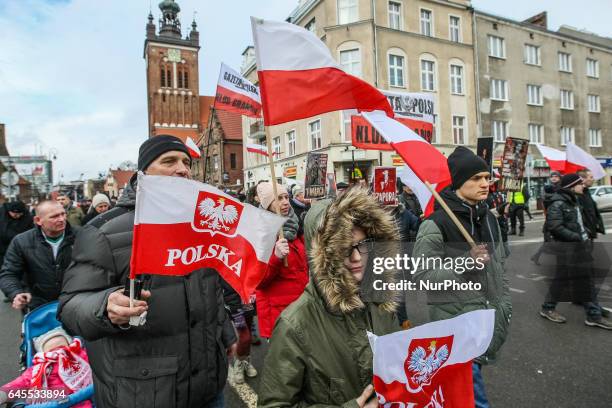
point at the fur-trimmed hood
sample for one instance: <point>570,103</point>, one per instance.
<point>332,241</point>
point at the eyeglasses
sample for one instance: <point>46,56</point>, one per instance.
<point>363,247</point>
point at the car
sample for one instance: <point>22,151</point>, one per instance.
<point>602,196</point>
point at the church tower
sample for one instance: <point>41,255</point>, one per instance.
<point>172,75</point>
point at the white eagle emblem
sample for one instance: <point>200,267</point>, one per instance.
<point>216,215</point>
<point>423,366</point>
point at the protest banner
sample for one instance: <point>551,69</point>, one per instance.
<point>484,149</point>
<point>513,163</point>
<point>384,188</point>
<point>237,94</point>
<point>316,169</point>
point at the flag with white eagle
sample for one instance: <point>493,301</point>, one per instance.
<point>183,225</point>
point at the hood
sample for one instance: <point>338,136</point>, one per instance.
<point>128,197</point>
<point>460,207</point>
<point>333,239</point>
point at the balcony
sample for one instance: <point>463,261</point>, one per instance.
<point>257,130</point>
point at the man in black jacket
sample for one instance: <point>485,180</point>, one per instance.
<point>178,358</point>
<point>565,222</point>
<point>38,257</point>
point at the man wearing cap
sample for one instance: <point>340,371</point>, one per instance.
<point>565,221</point>
<point>178,357</point>
<point>440,238</point>
<point>14,219</point>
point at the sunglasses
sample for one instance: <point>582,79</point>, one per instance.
<point>364,247</point>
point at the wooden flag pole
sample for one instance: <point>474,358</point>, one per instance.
<point>452,215</point>
<point>273,175</point>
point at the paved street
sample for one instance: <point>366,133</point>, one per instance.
<point>542,364</point>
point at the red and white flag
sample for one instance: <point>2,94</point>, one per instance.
<point>556,159</point>
<point>431,365</point>
<point>182,225</point>
<point>194,150</point>
<point>237,94</point>
<point>578,159</point>
<point>425,161</point>
<point>259,149</point>
<point>299,78</point>
<point>425,197</point>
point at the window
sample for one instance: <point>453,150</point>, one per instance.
<point>346,123</point>
<point>456,77</point>
<point>434,136</point>
<point>499,129</point>
<point>567,99</point>
<point>350,60</point>
<point>532,54</point>
<point>535,133</point>
<point>534,95</point>
<point>347,11</point>
<point>163,77</point>
<point>426,23</point>
<point>565,62</point>
<point>185,79</point>
<point>314,130</point>
<point>497,47</point>
<point>593,103</point>
<point>180,78</point>
<point>395,15</point>
<point>291,143</point>
<point>567,135</point>
<point>592,68</point>
<point>396,70</point>
<point>458,130</point>
<point>427,75</point>
<point>311,26</point>
<point>499,89</point>
<point>216,162</point>
<point>232,161</point>
<point>454,28</point>
<point>595,138</point>
<point>276,146</point>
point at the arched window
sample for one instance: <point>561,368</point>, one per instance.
<point>457,76</point>
<point>186,79</point>
<point>180,78</point>
<point>397,64</point>
<point>349,54</point>
<point>428,72</point>
<point>163,77</point>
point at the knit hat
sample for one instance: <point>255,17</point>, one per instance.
<point>463,164</point>
<point>39,342</point>
<point>296,190</point>
<point>99,199</point>
<point>155,146</point>
<point>570,180</point>
<point>265,193</point>
<point>555,173</point>
<point>16,206</point>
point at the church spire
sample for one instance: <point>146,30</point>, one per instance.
<point>169,23</point>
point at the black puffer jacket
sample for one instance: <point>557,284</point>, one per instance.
<point>562,220</point>
<point>10,227</point>
<point>178,358</point>
<point>29,259</point>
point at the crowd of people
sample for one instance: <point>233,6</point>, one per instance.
<point>310,304</point>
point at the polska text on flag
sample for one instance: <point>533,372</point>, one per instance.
<point>237,94</point>
<point>299,78</point>
<point>183,225</point>
<point>431,365</point>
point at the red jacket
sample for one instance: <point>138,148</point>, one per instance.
<point>281,285</point>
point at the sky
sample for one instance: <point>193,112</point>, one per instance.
<point>72,76</point>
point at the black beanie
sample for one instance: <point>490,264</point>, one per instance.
<point>16,206</point>
<point>570,180</point>
<point>463,164</point>
<point>155,146</point>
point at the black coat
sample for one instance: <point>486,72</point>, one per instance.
<point>592,217</point>
<point>178,358</point>
<point>10,227</point>
<point>562,220</point>
<point>29,259</point>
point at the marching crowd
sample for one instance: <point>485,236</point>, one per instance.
<point>310,305</point>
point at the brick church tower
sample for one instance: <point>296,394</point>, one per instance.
<point>172,75</point>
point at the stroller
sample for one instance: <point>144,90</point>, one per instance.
<point>39,321</point>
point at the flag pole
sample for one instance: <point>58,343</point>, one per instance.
<point>452,215</point>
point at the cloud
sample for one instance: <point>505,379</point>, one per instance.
<point>72,76</point>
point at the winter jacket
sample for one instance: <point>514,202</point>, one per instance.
<point>411,201</point>
<point>592,217</point>
<point>75,216</point>
<point>319,352</point>
<point>178,358</point>
<point>564,218</point>
<point>549,191</point>
<point>10,227</point>
<point>281,285</point>
<point>29,259</point>
<point>439,238</point>
<point>91,214</point>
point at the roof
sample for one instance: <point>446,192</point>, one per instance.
<point>231,123</point>
<point>122,177</point>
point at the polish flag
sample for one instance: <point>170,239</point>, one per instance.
<point>237,94</point>
<point>183,225</point>
<point>431,365</point>
<point>259,149</point>
<point>299,78</point>
<point>194,150</point>
<point>555,158</point>
<point>426,199</point>
<point>425,161</point>
<point>578,159</point>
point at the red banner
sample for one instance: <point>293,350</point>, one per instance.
<point>364,136</point>
<point>384,185</point>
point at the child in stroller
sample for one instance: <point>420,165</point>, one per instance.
<point>58,374</point>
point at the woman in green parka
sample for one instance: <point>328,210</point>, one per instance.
<point>319,354</point>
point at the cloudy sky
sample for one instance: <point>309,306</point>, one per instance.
<point>72,76</point>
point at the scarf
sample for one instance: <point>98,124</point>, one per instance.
<point>73,370</point>
<point>291,226</point>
